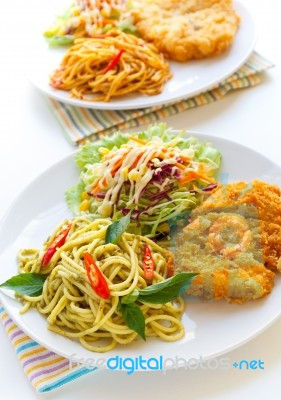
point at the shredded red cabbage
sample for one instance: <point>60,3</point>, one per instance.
<point>210,187</point>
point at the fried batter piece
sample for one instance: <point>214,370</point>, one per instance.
<point>222,245</point>
<point>235,286</point>
<point>267,199</point>
<point>186,30</point>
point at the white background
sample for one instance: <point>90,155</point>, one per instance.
<point>31,141</point>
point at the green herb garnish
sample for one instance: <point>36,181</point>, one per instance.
<point>159,293</point>
<point>131,297</point>
<point>166,291</point>
<point>30,284</point>
<point>116,229</point>
<point>134,318</point>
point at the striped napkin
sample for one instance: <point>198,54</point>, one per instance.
<point>45,370</point>
<point>80,124</point>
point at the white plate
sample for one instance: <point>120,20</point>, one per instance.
<point>189,78</point>
<point>211,328</point>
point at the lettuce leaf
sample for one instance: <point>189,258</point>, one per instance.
<point>89,153</point>
<point>127,26</point>
<point>73,197</point>
<point>210,155</point>
<point>159,130</point>
<point>203,151</point>
<point>58,40</point>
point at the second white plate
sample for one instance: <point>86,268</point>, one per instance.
<point>188,79</point>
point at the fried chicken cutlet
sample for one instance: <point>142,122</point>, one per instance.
<point>267,199</point>
<point>187,29</point>
<point>223,246</point>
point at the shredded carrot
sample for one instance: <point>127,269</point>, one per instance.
<point>180,166</point>
<point>187,178</point>
<point>97,188</point>
<point>185,158</point>
<point>135,163</point>
<point>106,22</point>
<point>118,163</point>
<point>79,34</point>
<point>206,178</point>
<point>193,175</point>
<point>136,139</point>
<point>116,166</point>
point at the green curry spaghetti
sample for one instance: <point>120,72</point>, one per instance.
<point>92,286</point>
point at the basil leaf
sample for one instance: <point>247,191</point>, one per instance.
<point>166,291</point>
<point>30,284</point>
<point>116,229</point>
<point>131,297</point>
<point>134,318</point>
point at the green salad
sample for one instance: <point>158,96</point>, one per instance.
<point>155,176</point>
<point>89,19</point>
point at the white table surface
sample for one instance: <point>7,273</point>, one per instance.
<point>31,141</point>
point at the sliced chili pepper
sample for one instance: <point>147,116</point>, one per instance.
<point>115,60</point>
<point>170,264</point>
<point>148,263</point>
<point>58,241</point>
<point>96,277</point>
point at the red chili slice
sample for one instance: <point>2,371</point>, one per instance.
<point>148,263</point>
<point>58,242</point>
<point>96,277</point>
<point>115,60</point>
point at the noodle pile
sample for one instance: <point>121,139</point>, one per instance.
<point>74,309</point>
<point>88,68</point>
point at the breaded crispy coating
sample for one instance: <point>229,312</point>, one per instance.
<point>267,199</point>
<point>223,246</point>
<point>189,29</point>
<point>234,286</point>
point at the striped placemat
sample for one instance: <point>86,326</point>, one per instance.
<point>45,370</point>
<point>80,124</point>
